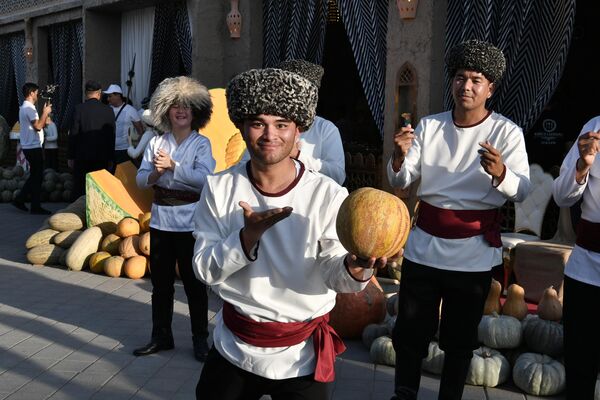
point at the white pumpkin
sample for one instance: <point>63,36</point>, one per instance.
<point>434,362</point>
<point>382,351</point>
<point>372,332</point>
<point>499,331</point>
<point>488,368</point>
<point>543,336</point>
<point>539,374</point>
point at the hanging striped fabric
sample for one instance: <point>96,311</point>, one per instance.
<point>535,38</point>
<point>293,29</point>
<point>366,26</point>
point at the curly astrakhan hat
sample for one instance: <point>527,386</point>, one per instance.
<point>184,91</point>
<point>308,70</point>
<point>272,91</point>
<point>476,55</point>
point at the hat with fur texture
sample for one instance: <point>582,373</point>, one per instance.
<point>184,91</point>
<point>272,91</point>
<point>479,56</point>
<point>308,70</point>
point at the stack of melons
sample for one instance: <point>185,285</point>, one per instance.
<point>56,186</point>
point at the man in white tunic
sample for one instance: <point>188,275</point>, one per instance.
<point>470,161</point>
<point>266,243</point>
<point>579,179</point>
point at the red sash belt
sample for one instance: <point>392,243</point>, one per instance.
<point>588,235</point>
<point>279,334</point>
<point>460,224</point>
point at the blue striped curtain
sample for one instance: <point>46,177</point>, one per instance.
<point>294,29</point>
<point>66,67</point>
<point>535,38</point>
<point>12,75</point>
<point>171,43</point>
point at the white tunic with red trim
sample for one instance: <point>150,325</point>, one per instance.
<point>446,159</point>
<point>297,272</point>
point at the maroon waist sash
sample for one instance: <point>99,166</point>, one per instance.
<point>588,235</point>
<point>460,224</point>
<point>173,197</point>
<point>280,334</point>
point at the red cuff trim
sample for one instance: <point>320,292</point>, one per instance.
<point>352,276</point>
<point>501,179</point>
<point>250,257</point>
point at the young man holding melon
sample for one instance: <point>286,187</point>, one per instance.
<point>470,161</point>
<point>266,242</point>
<point>579,179</point>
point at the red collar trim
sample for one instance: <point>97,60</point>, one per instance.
<point>475,124</point>
<point>278,194</point>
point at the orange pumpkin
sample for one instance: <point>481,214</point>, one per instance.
<point>354,311</point>
<point>130,247</point>
<point>127,227</point>
<point>372,223</point>
<point>113,266</point>
<point>135,267</point>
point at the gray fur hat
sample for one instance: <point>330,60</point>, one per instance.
<point>272,91</point>
<point>476,55</point>
<point>185,91</point>
<point>308,70</point>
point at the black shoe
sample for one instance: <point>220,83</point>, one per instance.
<point>153,347</point>
<point>40,211</point>
<point>20,205</point>
<point>200,348</point>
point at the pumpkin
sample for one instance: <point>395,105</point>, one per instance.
<point>111,244</point>
<point>113,266</point>
<point>84,246</point>
<point>392,304</point>
<point>542,336</point>
<point>43,236</point>
<point>128,227</point>
<point>539,374</point>
<point>434,362</point>
<point>135,267</point>
<point>353,311</point>
<point>515,305</point>
<point>66,239</point>
<point>96,261</point>
<point>499,331</point>
<point>372,332</point>
<point>144,221</point>
<point>144,243</point>
<point>129,247</point>
<point>44,254</point>
<point>492,303</point>
<point>66,221</point>
<point>372,223</point>
<point>488,368</point>
<point>382,351</point>
<point>550,307</point>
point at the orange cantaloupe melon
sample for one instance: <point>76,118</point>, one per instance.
<point>235,150</point>
<point>126,173</point>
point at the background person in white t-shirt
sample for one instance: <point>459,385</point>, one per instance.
<point>125,115</point>
<point>31,138</point>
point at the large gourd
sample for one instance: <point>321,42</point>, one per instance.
<point>372,223</point>
<point>492,303</point>
<point>539,375</point>
<point>550,307</point>
<point>84,246</point>
<point>43,236</point>
<point>44,254</point>
<point>66,221</point>
<point>515,304</point>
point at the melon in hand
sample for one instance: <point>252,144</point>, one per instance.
<point>373,223</point>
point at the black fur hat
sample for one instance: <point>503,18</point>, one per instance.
<point>479,56</point>
<point>272,91</point>
<point>310,71</point>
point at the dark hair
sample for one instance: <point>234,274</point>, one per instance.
<point>28,88</point>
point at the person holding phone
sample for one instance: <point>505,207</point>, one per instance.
<point>470,161</point>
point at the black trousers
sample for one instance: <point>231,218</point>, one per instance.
<point>463,296</point>
<point>166,249</point>
<point>221,380</point>
<point>582,356</point>
<point>33,185</point>
<point>51,158</point>
<point>80,169</point>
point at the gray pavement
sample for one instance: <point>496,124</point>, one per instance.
<point>69,335</point>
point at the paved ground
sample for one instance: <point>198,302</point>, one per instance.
<point>69,335</point>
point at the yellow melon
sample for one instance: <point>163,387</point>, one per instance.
<point>113,266</point>
<point>96,261</point>
<point>128,227</point>
<point>144,221</point>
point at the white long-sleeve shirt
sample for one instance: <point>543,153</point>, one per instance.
<point>447,160</point>
<point>135,152</point>
<point>321,150</point>
<point>297,272</point>
<point>193,162</point>
<point>583,265</point>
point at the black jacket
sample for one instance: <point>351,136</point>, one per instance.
<point>92,135</point>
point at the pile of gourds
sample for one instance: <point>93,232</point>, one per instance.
<point>512,340</point>
<point>56,186</point>
<point>112,248</point>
